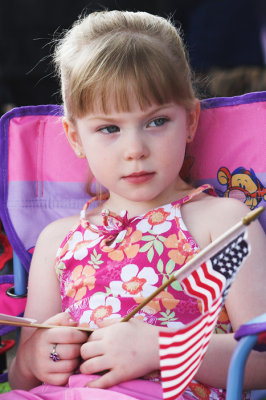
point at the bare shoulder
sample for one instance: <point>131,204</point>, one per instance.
<point>47,245</point>
<point>208,217</point>
<point>222,213</point>
<point>55,232</point>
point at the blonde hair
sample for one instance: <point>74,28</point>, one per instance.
<point>107,54</point>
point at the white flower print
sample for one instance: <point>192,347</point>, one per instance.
<point>78,245</point>
<point>135,283</point>
<point>144,227</point>
<point>157,221</point>
<point>101,307</point>
<point>172,210</point>
<point>175,325</point>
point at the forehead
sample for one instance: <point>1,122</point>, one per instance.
<point>127,99</point>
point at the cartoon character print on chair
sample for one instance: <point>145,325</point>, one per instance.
<point>243,185</point>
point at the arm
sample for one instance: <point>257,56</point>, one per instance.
<point>32,364</point>
<point>246,300</point>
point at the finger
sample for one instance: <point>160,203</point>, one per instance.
<point>57,379</point>
<point>63,319</point>
<point>65,335</point>
<point>95,365</point>
<point>66,351</point>
<point>63,366</point>
<point>101,333</point>
<point>105,381</point>
<point>91,349</point>
<point>107,322</point>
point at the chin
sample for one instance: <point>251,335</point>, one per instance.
<point>144,197</point>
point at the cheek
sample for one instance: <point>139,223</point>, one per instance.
<point>173,160</point>
<point>174,150</point>
<point>100,165</point>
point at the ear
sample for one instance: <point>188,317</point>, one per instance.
<point>192,121</point>
<point>73,137</point>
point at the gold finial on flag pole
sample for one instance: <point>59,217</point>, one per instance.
<point>251,216</point>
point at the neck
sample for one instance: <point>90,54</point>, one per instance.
<point>116,203</point>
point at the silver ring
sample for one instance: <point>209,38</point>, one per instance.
<point>53,355</point>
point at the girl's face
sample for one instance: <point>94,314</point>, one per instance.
<point>136,155</point>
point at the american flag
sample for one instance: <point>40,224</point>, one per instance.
<point>182,351</point>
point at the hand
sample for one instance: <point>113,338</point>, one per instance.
<point>126,350</point>
<point>40,345</point>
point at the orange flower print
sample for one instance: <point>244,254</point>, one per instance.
<point>78,245</point>
<point>199,302</point>
<point>128,247</point>
<point>100,308</point>
<point>81,279</point>
<point>155,222</point>
<point>223,324</point>
<point>101,312</point>
<point>223,316</point>
<point>200,391</point>
<point>164,299</point>
<point>134,285</point>
<point>156,217</point>
<point>181,251</point>
<point>135,282</point>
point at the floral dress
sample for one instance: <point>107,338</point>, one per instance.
<point>106,271</point>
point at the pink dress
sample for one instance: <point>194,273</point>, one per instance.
<point>106,271</point>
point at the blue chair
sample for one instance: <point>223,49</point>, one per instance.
<point>251,336</point>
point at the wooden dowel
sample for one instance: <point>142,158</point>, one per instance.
<point>43,326</point>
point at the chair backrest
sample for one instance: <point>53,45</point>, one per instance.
<point>229,149</point>
<point>42,179</point>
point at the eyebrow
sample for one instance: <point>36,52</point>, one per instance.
<point>113,119</point>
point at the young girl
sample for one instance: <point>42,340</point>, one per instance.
<point>130,109</point>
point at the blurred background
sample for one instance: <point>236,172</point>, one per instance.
<point>226,41</point>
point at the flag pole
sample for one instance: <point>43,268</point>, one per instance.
<point>21,323</point>
<point>201,257</point>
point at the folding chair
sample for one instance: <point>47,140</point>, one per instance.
<point>251,335</point>
<point>42,179</point>
<point>36,187</point>
<point>229,152</point>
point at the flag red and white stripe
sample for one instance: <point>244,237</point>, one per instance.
<point>181,351</point>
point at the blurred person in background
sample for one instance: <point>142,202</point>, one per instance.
<point>226,41</point>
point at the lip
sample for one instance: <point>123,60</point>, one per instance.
<point>139,177</point>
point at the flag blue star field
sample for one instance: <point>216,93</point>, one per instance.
<point>181,351</point>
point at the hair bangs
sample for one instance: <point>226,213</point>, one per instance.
<point>141,73</point>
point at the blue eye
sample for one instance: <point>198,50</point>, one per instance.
<point>109,129</point>
<point>158,122</point>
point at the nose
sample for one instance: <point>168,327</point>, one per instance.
<point>135,146</point>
